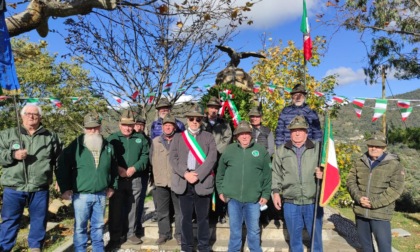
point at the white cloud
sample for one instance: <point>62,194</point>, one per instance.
<point>270,13</point>
<point>184,98</point>
<point>346,75</point>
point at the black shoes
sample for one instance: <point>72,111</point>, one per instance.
<point>222,219</point>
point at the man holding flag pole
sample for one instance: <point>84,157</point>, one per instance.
<point>294,177</point>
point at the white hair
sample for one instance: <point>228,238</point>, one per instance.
<point>22,112</point>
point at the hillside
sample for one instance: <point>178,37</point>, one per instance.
<point>348,127</point>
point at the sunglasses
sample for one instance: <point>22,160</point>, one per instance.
<point>197,119</point>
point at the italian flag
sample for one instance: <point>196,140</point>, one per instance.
<point>257,87</point>
<point>118,99</point>
<point>271,88</point>
<point>134,95</point>
<point>304,28</point>
<point>151,97</point>
<point>403,103</point>
<point>339,99</point>
<point>331,179</point>
<point>405,113</point>
<point>32,100</point>
<point>380,108</point>
<point>287,90</point>
<point>75,99</point>
<point>56,102</point>
<point>167,87</point>
<point>208,86</point>
<point>358,104</point>
<point>319,94</point>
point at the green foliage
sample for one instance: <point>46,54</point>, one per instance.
<point>392,28</point>
<point>242,99</point>
<point>41,76</point>
<point>283,67</point>
<point>408,136</point>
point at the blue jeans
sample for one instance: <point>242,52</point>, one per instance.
<point>238,213</point>
<point>381,229</point>
<point>11,213</point>
<point>299,216</point>
<point>89,207</point>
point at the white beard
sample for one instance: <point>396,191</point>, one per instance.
<point>93,141</point>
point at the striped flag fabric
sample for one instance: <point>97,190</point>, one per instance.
<point>197,88</point>
<point>134,95</point>
<point>304,28</point>
<point>151,97</point>
<point>167,88</point>
<point>339,99</point>
<point>75,99</point>
<point>271,88</point>
<point>257,87</point>
<point>208,87</point>
<point>319,94</point>
<point>403,103</point>
<point>181,90</point>
<point>405,113</point>
<point>380,108</point>
<point>405,109</point>
<point>32,100</point>
<point>287,90</point>
<point>56,102</point>
<point>358,104</point>
<point>118,99</point>
<point>331,180</point>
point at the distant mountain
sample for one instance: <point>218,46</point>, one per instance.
<point>347,126</point>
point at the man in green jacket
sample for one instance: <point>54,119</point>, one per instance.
<point>375,182</point>
<point>28,155</point>
<point>294,173</point>
<point>243,181</point>
<point>132,153</point>
<point>87,174</point>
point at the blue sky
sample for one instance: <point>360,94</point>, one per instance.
<point>280,20</point>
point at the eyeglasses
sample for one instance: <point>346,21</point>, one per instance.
<point>197,119</point>
<point>35,115</point>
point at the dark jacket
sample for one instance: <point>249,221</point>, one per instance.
<point>131,151</point>
<point>286,116</point>
<point>156,128</point>
<point>265,138</point>
<point>383,185</point>
<point>178,156</point>
<point>221,131</point>
<point>76,168</point>
<point>244,174</point>
<point>299,187</point>
<point>35,173</point>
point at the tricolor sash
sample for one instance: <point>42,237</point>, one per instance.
<point>194,147</point>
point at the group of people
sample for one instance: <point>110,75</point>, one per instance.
<point>246,169</point>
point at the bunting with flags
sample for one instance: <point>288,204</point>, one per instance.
<point>339,99</point>
<point>380,108</point>
<point>405,109</point>
<point>208,87</point>
<point>56,102</point>
<point>319,94</point>
<point>287,90</point>
<point>358,104</point>
<point>167,88</point>
<point>304,28</point>
<point>198,89</point>
<point>271,88</point>
<point>331,177</point>
<point>32,100</point>
<point>75,99</point>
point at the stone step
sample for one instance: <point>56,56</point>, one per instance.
<point>221,245</point>
<point>274,230</point>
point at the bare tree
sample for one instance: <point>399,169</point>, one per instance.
<point>145,47</point>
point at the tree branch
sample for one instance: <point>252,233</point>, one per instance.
<point>38,12</point>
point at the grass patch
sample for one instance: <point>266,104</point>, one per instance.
<point>407,221</point>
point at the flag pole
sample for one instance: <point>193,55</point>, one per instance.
<point>317,191</point>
